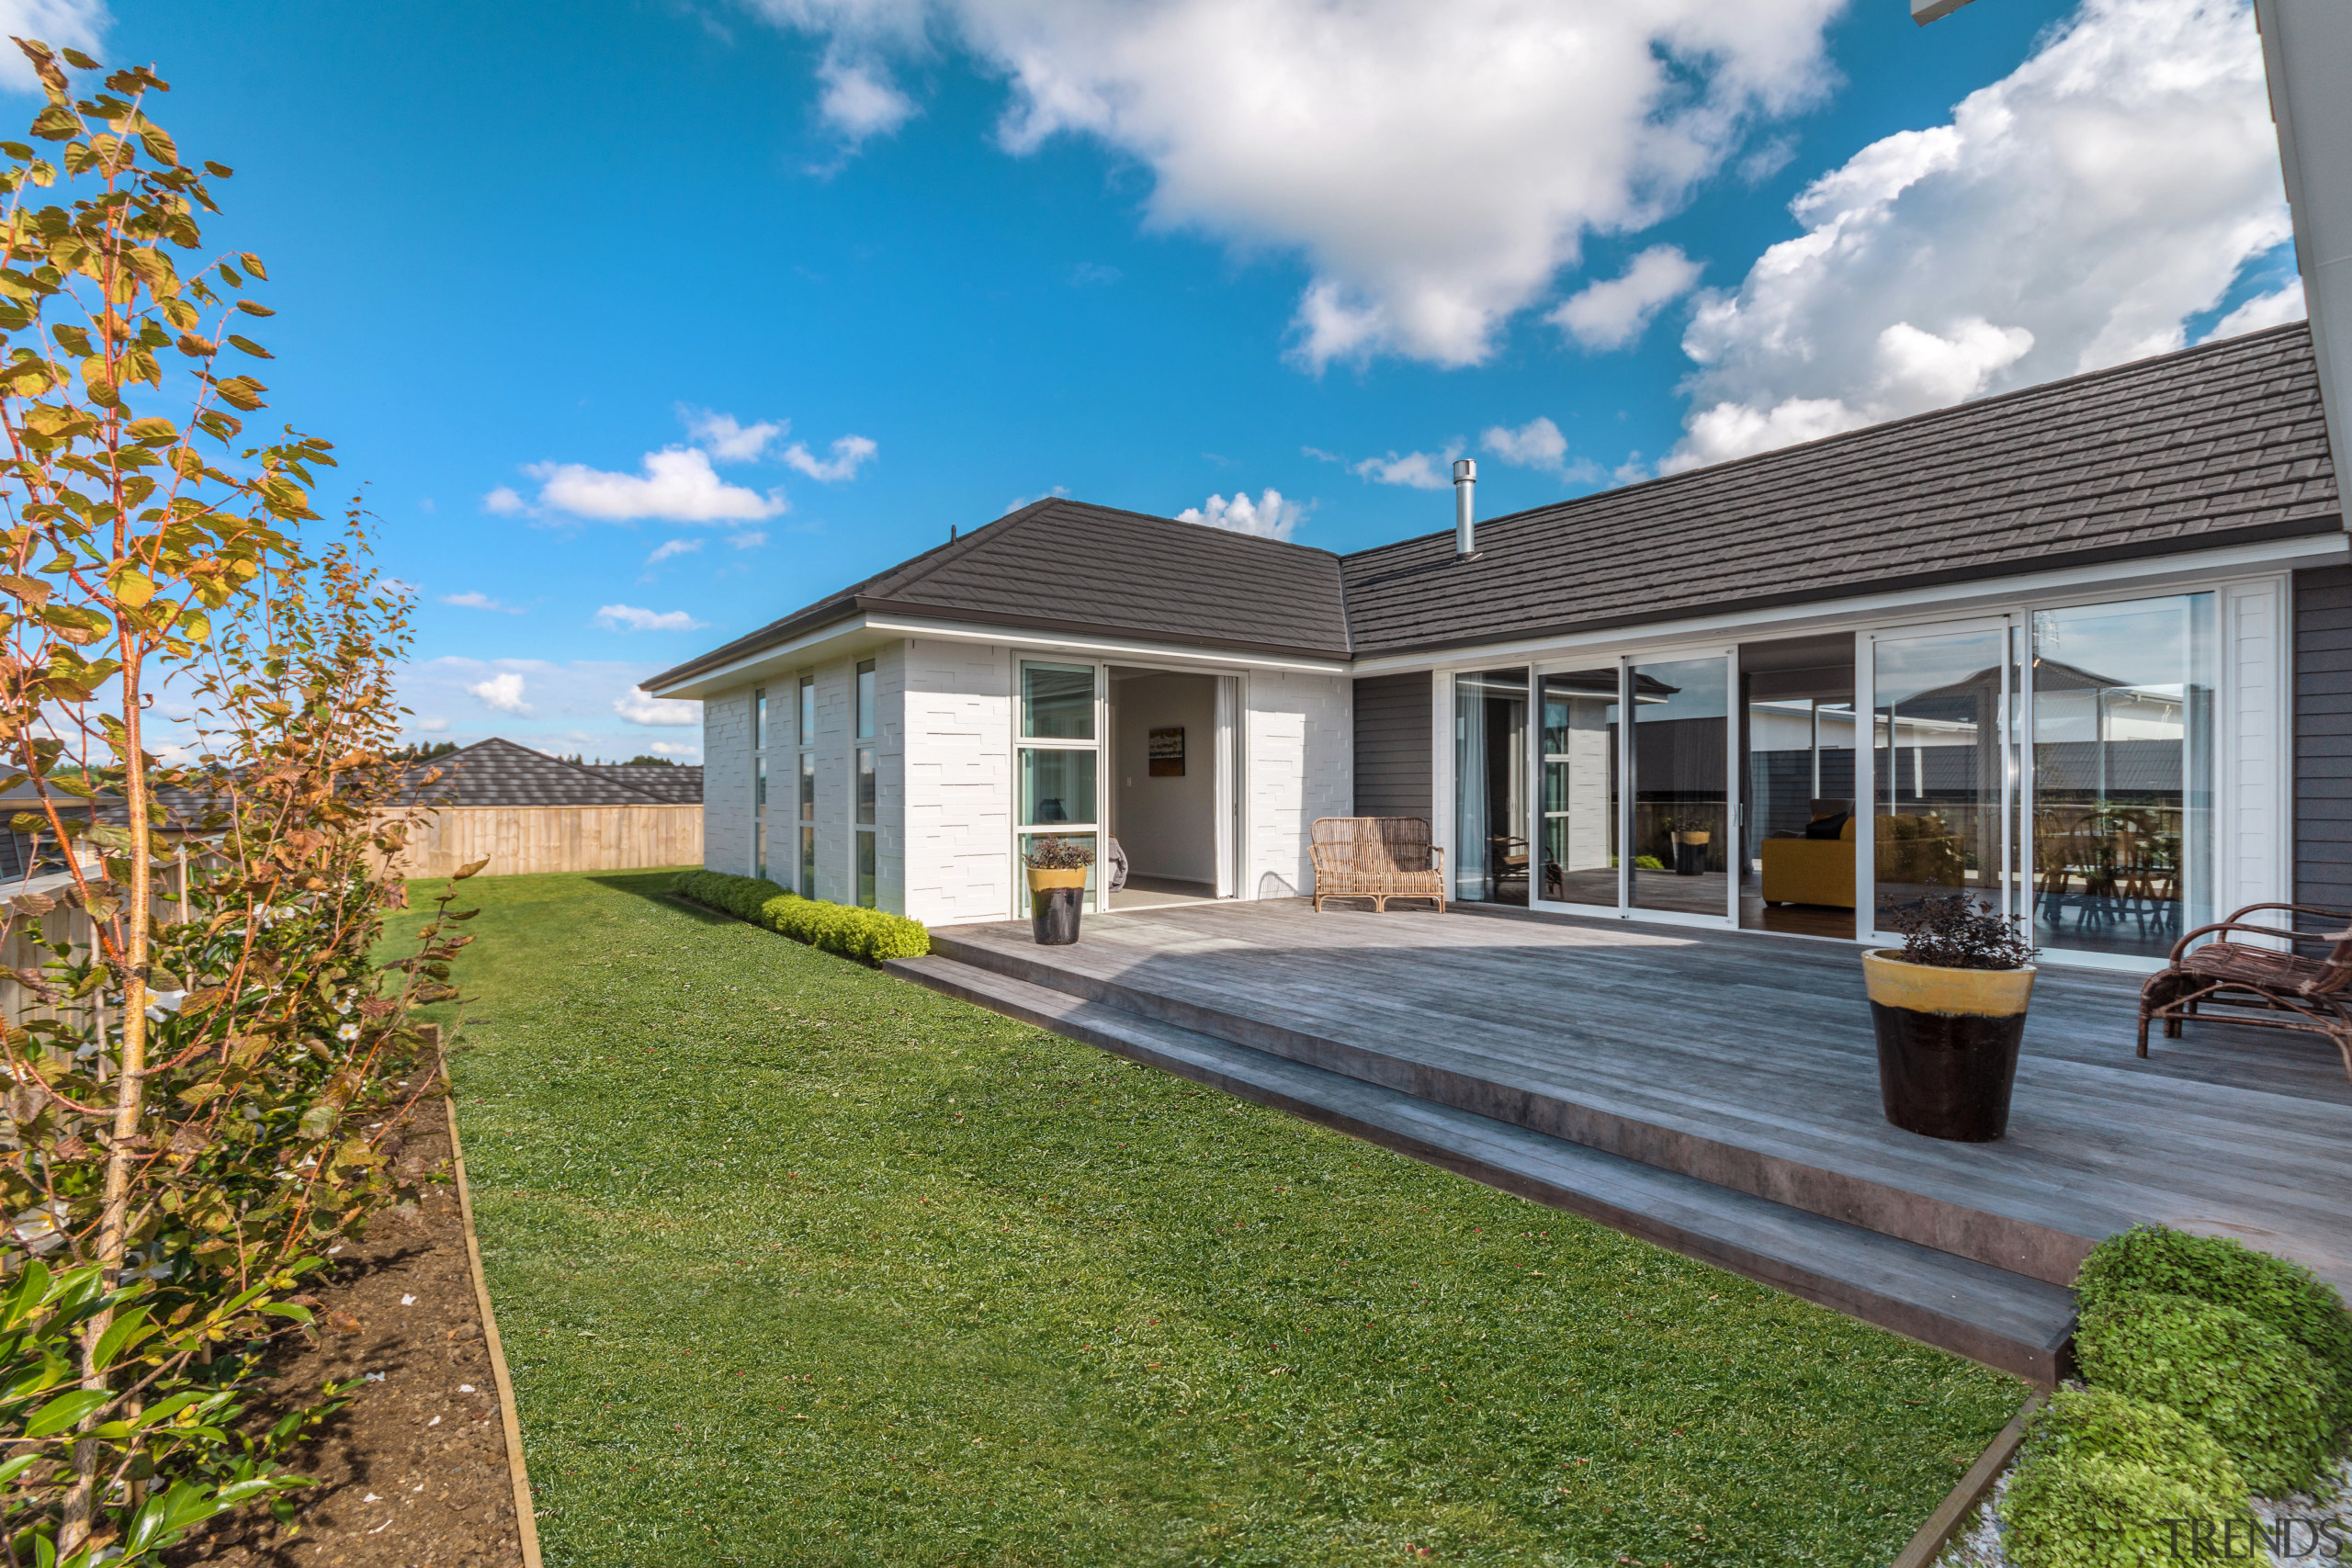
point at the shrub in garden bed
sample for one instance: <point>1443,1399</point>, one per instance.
<point>2225,1272</point>
<point>872,935</point>
<point>2102,1478</point>
<point>2256,1391</point>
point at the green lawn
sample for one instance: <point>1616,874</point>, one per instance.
<point>800,1264</point>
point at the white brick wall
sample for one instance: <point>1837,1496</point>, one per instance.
<point>726,783</point>
<point>957,712</point>
<point>1301,736</point>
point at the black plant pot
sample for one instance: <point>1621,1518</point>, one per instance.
<point>1947,1046</point>
<point>1053,914</point>
<point>1690,860</point>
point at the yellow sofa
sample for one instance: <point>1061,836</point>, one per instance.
<point>1811,871</point>
<point>1914,849</point>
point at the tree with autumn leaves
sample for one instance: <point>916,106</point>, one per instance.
<point>208,1065</point>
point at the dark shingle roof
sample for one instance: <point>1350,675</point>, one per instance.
<point>2219,445</point>
<point>2213,445</point>
<point>1067,566</point>
<point>676,785</point>
<point>499,772</point>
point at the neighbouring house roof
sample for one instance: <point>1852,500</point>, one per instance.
<point>2214,445</point>
<point>1068,566</point>
<point>2219,445</point>
<point>677,786</point>
<point>500,772</point>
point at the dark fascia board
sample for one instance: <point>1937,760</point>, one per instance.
<point>844,611</point>
<point>2292,528</point>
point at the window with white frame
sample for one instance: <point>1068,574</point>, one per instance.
<point>759,780</point>
<point>805,736</point>
<point>1057,767</point>
<point>864,823</point>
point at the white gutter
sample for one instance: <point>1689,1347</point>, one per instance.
<point>2307,59</point>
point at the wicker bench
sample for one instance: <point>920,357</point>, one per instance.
<point>1377,858</point>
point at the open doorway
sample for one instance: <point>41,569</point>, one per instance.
<point>1163,789</point>
<point>1797,731</point>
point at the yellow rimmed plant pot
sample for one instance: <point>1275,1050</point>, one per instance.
<point>1948,1044</point>
<point>1056,897</point>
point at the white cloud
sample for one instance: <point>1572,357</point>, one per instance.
<point>639,708</point>
<point>473,600</point>
<point>2072,216</point>
<point>61,24</point>
<point>1018,501</point>
<point>667,749</point>
<point>748,538</point>
<point>678,485</point>
<point>432,723</point>
<point>1436,165</point>
<point>629,618</point>
<point>506,502</point>
<point>1419,470</point>
<point>728,439</point>
<point>2263,310</point>
<point>1271,516</point>
<point>669,549</point>
<point>849,452</point>
<point>860,100</point>
<point>1612,313</point>
<point>504,694</point>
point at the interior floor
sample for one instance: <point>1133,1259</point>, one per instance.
<point>1155,892</point>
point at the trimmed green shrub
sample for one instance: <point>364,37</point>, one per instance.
<point>2104,1424</point>
<point>2080,1510</point>
<point>2256,1391</point>
<point>2220,1270</point>
<point>872,935</point>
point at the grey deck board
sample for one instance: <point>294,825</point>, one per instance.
<point>2006,1320</point>
<point>1747,1062</point>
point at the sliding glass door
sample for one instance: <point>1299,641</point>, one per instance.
<point>1943,768</point>
<point>1580,830</point>
<point>1622,816</point>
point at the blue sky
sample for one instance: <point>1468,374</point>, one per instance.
<point>976,251</point>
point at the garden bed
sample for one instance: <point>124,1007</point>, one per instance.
<point>415,1470</point>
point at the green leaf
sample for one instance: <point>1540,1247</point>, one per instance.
<point>240,392</point>
<point>159,146</point>
<point>218,171</point>
<point>123,1333</point>
<point>16,1467</point>
<point>66,1410</point>
<point>253,265</point>
<point>57,123</point>
<point>79,60</point>
<point>133,587</point>
<point>249,346</point>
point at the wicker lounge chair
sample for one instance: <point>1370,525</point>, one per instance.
<point>1377,858</point>
<point>2262,986</point>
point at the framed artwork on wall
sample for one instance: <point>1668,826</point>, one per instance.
<point>1166,752</point>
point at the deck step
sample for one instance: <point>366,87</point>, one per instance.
<point>2005,1320</point>
<point>1902,1202</point>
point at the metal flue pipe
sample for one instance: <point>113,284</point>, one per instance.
<point>1466,484</point>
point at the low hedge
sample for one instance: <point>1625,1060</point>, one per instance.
<point>2227,1273</point>
<point>2083,1511</point>
<point>869,934</point>
<point>2256,1391</point>
<point>2103,1479</point>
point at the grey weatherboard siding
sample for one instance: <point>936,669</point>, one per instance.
<point>2324,738</point>
<point>1392,745</point>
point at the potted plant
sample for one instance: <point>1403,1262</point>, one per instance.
<point>1056,871</point>
<point>1691,835</point>
<point>1949,1010</point>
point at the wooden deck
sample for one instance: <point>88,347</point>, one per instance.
<point>1739,1066</point>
